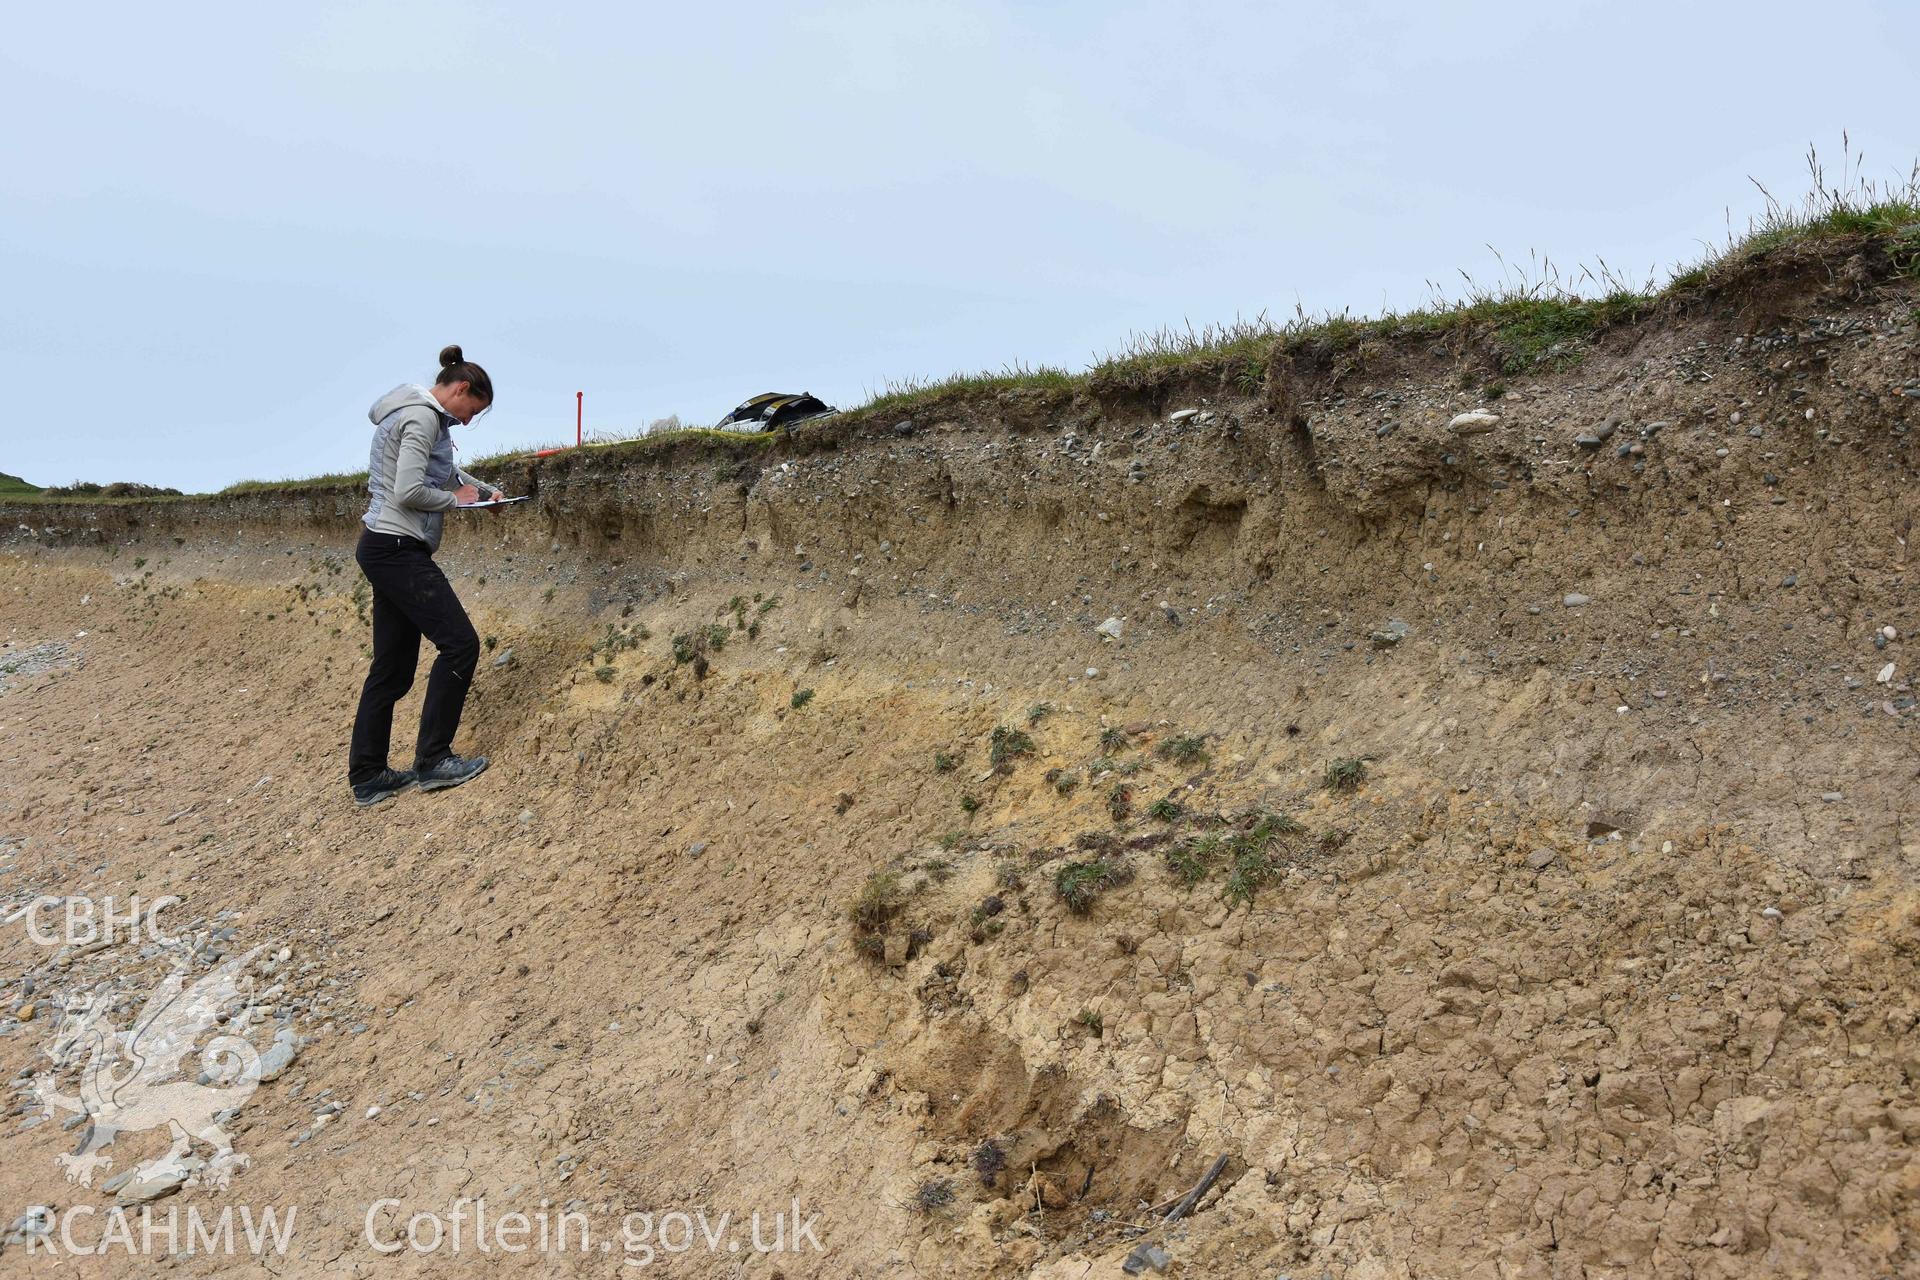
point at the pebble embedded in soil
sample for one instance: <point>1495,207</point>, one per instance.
<point>143,1185</point>
<point>1599,435</point>
<point>1392,634</point>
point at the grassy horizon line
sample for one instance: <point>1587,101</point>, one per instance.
<point>1537,313</point>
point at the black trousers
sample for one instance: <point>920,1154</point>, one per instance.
<point>411,598</point>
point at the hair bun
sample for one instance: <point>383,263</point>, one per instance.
<point>450,356</point>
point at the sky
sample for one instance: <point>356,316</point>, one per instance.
<point>227,228</point>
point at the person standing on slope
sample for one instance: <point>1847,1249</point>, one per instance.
<point>412,482</point>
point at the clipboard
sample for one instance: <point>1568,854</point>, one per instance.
<point>501,502</point>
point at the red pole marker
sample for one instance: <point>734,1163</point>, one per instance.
<point>579,427</point>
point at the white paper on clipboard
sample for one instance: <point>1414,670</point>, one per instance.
<point>501,502</point>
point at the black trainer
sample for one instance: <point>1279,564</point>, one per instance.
<point>450,771</point>
<point>385,785</point>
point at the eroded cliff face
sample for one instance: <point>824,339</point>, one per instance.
<point>1498,840</point>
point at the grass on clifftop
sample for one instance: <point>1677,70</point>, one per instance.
<point>651,440</point>
<point>485,465</point>
<point>907,392</point>
<point>304,482</point>
<point>15,487</point>
<point>1536,313</point>
<point>1853,206</point>
<point>1538,317</point>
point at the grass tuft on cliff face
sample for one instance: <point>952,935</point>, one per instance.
<point>1080,884</point>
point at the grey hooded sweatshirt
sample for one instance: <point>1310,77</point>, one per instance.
<point>410,472</point>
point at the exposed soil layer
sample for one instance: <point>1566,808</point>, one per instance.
<point>1499,841</point>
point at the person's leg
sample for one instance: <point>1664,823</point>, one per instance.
<point>396,655</point>
<point>438,614</point>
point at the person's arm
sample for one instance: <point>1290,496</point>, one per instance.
<point>493,491</point>
<point>410,487</point>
